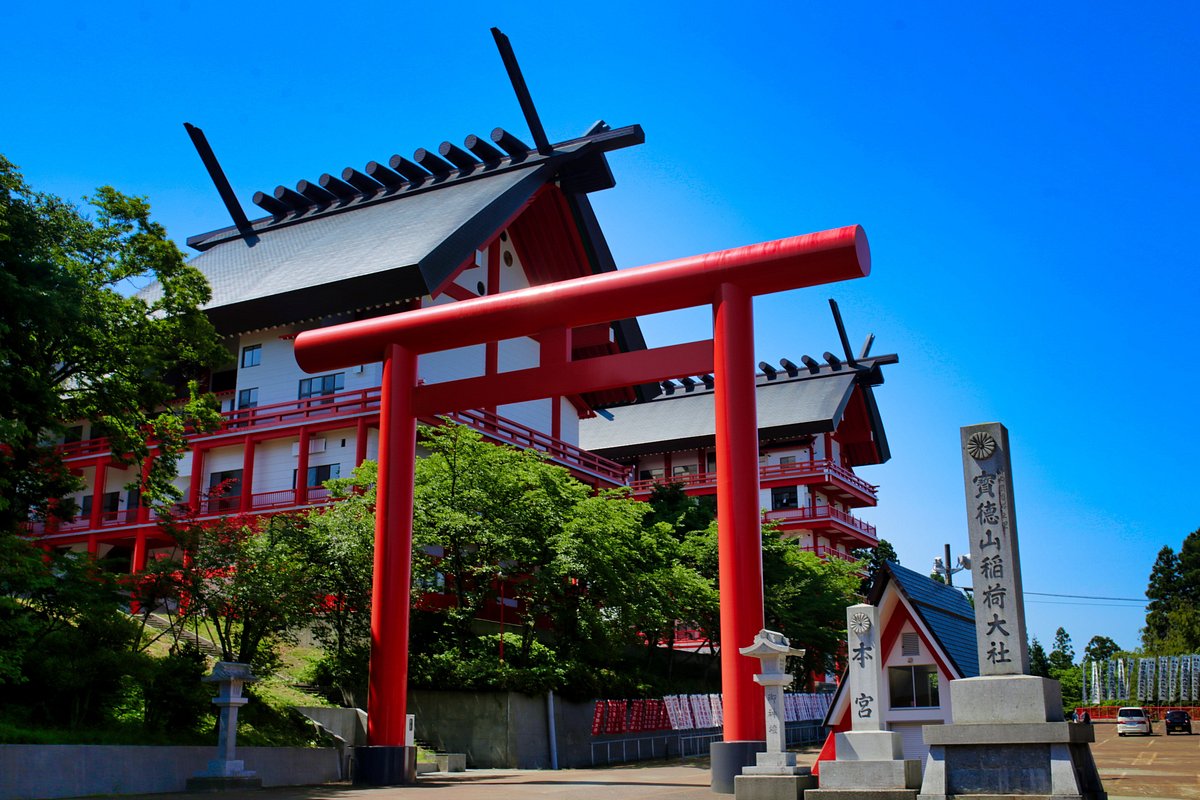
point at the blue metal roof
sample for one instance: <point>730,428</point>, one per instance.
<point>945,611</point>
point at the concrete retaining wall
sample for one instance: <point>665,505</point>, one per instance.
<point>499,730</point>
<point>29,771</point>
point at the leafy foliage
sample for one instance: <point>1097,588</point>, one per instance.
<point>876,558</point>
<point>241,583</point>
<point>1100,648</point>
<point>1039,664</point>
<point>74,345</point>
<point>1173,613</point>
<point>1062,656</point>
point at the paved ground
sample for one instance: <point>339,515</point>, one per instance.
<point>1148,766</point>
<point>1145,768</point>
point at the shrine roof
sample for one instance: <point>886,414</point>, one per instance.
<point>389,237</point>
<point>788,406</point>
<point>946,612</point>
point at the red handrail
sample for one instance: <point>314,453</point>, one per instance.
<point>799,469</point>
<point>818,513</point>
<point>492,426</point>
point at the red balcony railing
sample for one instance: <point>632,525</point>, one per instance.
<point>823,517</point>
<point>828,552</point>
<point>823,471</point>
<point>323,409</point>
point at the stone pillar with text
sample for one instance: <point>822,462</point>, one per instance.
<point>1008,736</point>
<point>870,760</point>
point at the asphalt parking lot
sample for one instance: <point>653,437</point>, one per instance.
<point>1148,766</point>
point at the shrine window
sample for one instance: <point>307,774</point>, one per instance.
<point>324,385</point>
<point>251,355</point>
<point>318,475</point>
<point>784,497</point>
<point>914,687</point>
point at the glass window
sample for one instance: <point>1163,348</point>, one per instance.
<point>914,687</point>
<point>650,474</point>
<point>323,385</point>
<point>784,497</point>
<point>251,356</point>
<point>73,434</point>
<point>248,398</point>
<point>787,459</point>
<point>684,469</point>
<point>318,475</point>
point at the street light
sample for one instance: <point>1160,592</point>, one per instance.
<point>940,566</point>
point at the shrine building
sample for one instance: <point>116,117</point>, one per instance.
<point>449,224</point>
<point>927,639</point>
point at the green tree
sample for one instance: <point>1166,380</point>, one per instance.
<point>1163,592</point>
<point>75,346</point>
<point>1100,648</point>
<point>1173,613</point>
<point>338,549</point>
<point>875,557</point>
<point>1039,664</point>
<point>241,584</point>
<point>804,596</point>
<point>1062,656</point>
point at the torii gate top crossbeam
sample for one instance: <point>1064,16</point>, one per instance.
<point>808,260</point>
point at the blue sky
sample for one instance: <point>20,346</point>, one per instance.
<point>1027,177</point>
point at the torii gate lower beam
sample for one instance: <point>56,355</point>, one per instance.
<point>728,280</point>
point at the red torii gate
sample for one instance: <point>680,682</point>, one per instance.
<point>727,279</point>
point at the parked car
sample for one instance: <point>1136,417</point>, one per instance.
<point>1178,721</point>
<point>1133,719</point>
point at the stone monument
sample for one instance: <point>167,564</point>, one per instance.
<point>225,771</point>
<point>775,776</point>
<point>1007,736</point>
<point>870,760</point>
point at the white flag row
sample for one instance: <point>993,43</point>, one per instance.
<point>1163,679</point>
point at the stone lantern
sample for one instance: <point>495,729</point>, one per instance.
<point>226,771</point>
<point>775,774</point>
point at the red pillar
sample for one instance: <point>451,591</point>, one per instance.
<point>739,537</point>
<point>247,503</point>
<point>302,469</point>
<point>98,481</point>
<point>143,510</point>
<point>360,442</point>
<point>137,564</point>
<point>197,474</point>
<point>387,698</point>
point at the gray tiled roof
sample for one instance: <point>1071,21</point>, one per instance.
<point>686,419</point>
<point>946,611</point>
<point>404,248</point>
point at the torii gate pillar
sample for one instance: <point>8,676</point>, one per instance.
<point>728,280</point>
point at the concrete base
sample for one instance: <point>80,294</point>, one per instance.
<point>772,787</point>
<point>997,699</point>
<point>1034,760</point>
<point>869,746</point>
<point>861,794</point>
<point>223,784</point>
<point>385,765</point>
<point>426,767</point>
<point>451,762</point>
<point>870,775</point>
<point>728,759</point>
